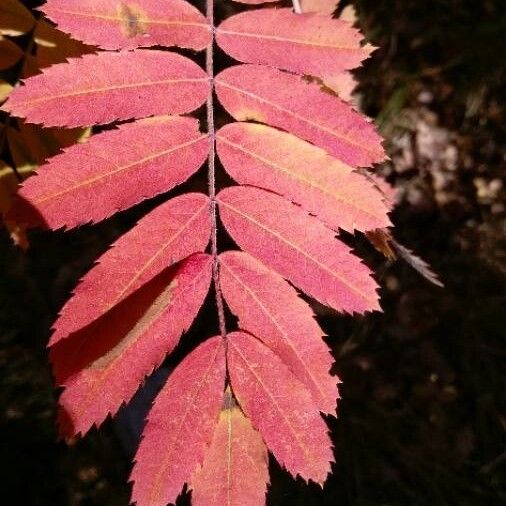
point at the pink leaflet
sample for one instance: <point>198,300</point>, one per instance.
<point>180,426</point>
<point>166,235</point>
<point>299,247</point>
<point>267,95</point>
<point>269,308</point>
<point>235,471</point>
<point>310,44</point>
<point>106,87</point>
<point>102,365</point>
<point>280,407</point>
<point>111,172</point>
<point>262,156</point>
<point>122,25</point>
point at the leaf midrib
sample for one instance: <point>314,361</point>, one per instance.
<point>287,39</point>
<point>91,91</point>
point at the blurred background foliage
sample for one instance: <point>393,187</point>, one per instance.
<point>423,414</point>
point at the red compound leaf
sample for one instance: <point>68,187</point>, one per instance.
<point>303,181</point>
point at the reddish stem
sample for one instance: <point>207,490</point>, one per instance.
<point>212,172</point>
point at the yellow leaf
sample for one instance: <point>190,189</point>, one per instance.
<point>5,89</point>
<point>15,18</point>
<point>31,145</point>
<point>8,187</point>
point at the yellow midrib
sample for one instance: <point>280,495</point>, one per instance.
<point>119,19</point>
<point>277,38</point>
<point>90,91</point>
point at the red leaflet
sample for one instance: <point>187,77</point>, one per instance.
<point>279,99</point>
<point>112,171</point>
<point>312,44</point>
<point>122,25</point>
<point>263,156</point>
<point>168,234</point>
<point>280,408</point>
<point>235,470</point>
<point>180,426</point>
<point>299,247</point>
<point>102,365</point>
<point>284,322</point>
<point>102,88</point>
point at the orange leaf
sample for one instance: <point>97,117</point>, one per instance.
<point>235,470</point>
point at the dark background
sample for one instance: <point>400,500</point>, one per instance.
<point>423,415</point>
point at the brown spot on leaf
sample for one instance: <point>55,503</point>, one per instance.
<point>132,20</point>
